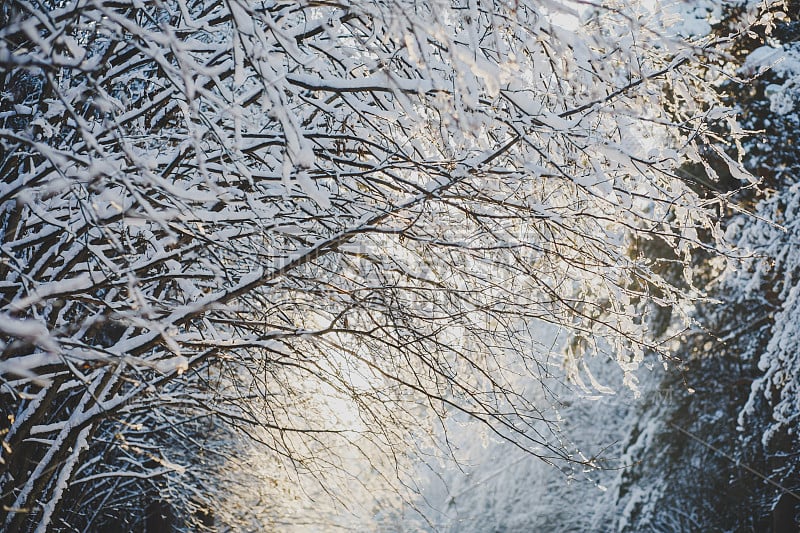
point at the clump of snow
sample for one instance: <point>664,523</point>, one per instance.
<point>30,330</point>
<point>783,61</point>
<point>178,364</point>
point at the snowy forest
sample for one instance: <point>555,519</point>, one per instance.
<point>399,265</point>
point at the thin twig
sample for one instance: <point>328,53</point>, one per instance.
<point>736,462</point>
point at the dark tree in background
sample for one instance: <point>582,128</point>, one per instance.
<point>709,452</point>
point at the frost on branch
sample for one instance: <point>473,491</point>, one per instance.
<point>228,209</point>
